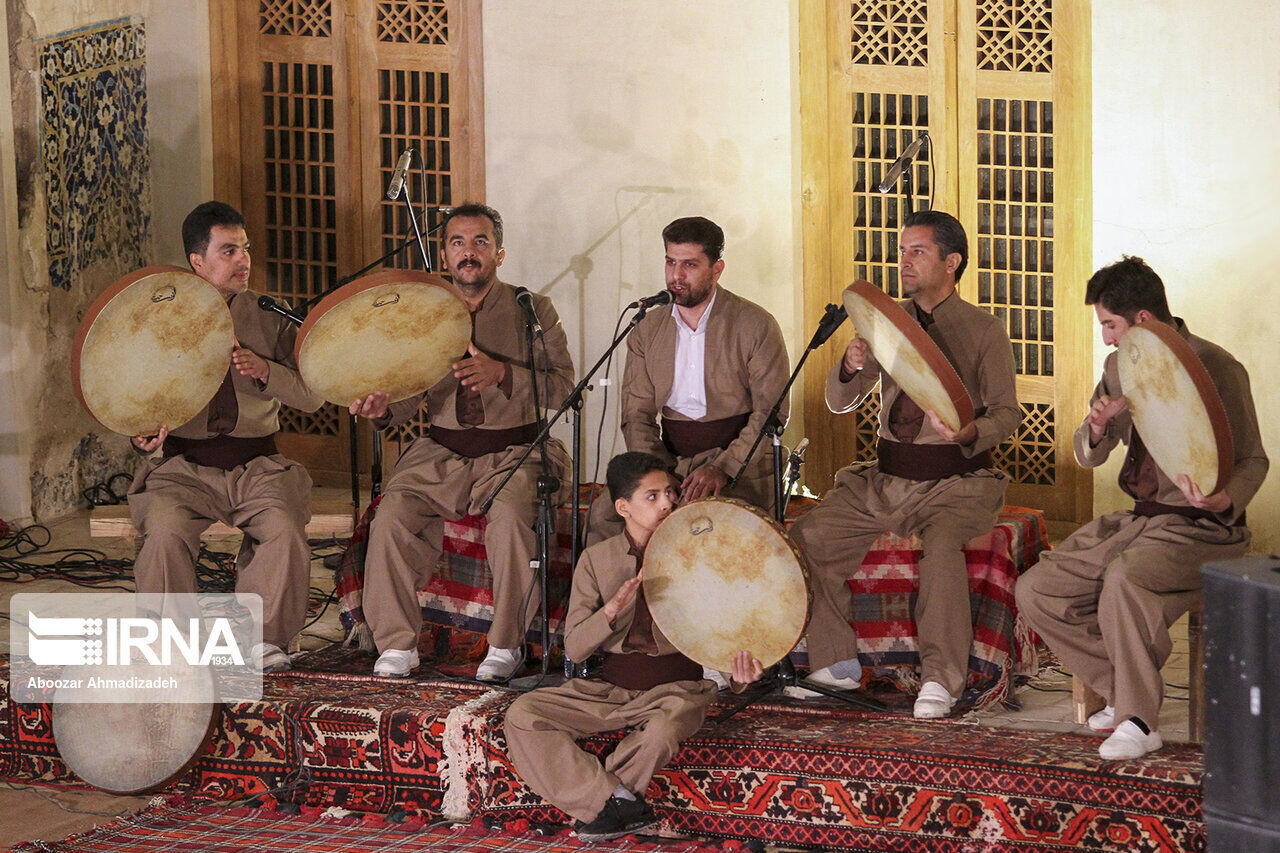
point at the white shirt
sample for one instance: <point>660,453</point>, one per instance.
<point>688,385</point>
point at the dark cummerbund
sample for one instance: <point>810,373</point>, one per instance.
<point>481,442</point>
<point>689,438</point>
<point>1149,509</point>
<point>221,451</point>
<point>928,461</point>
<point>638,671</point>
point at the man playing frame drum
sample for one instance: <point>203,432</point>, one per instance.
<point>481,419</point>
<point>223,464</point>
<point>929,479</point>
<point>646,684</point>
<point>1104,599</point>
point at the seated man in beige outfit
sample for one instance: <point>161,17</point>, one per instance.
<point>482,418</point>
<point>223,465</point>
<point>1104,599</point>
<point>646,685</point>
<point>928,479</point>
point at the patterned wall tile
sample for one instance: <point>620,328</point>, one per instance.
<point>95,148</point>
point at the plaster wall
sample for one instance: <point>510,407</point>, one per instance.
<point>1186,168</point>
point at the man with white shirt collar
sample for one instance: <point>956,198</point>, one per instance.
<point>701,378</point>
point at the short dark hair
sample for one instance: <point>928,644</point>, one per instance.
<point>626,470</point>
<point>948,234</point>
<point>198,225</point>
<point>475,208</point>
<point>696,229</point>
<point>1126,287</point>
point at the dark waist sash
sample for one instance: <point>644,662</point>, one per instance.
<point>928,461</point>
<point>1149,509</point>
<point>481,442</point>
<point>689,438</point>
<point>638,671</point>
<point>221,451</point>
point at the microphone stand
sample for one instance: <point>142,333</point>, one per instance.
<point>574,400</point>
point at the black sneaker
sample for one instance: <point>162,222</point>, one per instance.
<point>619,817</point>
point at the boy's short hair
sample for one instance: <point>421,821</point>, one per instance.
<point>1126,287</point>
<point>626,470</point>
<point>198,226</point>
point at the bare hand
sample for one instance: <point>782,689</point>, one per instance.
<point>624,596</point>
<point>746,669</point>
<point>479,371</point>
<point>373,407</point>
<point>1216,502</point>
<point>249,363</point>
<point>1100,414</point>
<point>966,435</point>
<point>707,480</point>
<point>855,355</point>
<point>148,443</point>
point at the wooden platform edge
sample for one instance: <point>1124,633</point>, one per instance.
<point>328,518</point>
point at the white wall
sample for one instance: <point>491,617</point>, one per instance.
<point>1186,166</point>
<point>604,121</point>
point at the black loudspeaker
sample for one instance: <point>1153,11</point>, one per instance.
<point>1242,713</point>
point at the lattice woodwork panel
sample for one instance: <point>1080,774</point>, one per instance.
<point>295,18</point>
<point>866,424</point>
<point>413,21</point>
<point>1015,35</point>
<point>889,32</point>
<point>413,109</point>
<point>326,421</point>
<point>300,190</point>
<point>883,126</point>
<point>411,429</point>
<point>1029,457</point>
<point>1015,226</point>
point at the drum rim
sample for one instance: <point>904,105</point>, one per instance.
<point>1209,396</point>
<point>943,370</point>
<point>100,303</point>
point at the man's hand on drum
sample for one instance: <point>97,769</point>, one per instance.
<point>372,407</point>
<point>855,355</point>
<point>250,364</point>
<point>1216,502</point>
<point>624,596</point>
<point>707,480</point>
<point>965,435</point>
<point>1100,414</point>
<point>149,443</point>
<point>746,669</point>
<point>479,371</point>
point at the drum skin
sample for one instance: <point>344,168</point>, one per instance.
<point>152,350</point>
<point>1175,406</point>
<point>720,577</point>
<point>908,354</point>
<point>397,331</point>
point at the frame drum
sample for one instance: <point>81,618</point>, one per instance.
<point>720,577</point>
<point>152,350</point>
<point>1175,406</point>
<point>908,354</point>
<point>397,331</point>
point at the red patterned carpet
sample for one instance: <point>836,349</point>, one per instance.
<point>812,775</point>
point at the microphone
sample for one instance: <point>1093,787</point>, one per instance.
<point>266,303</point>
<point>831,321</point>
<point>662,297</point>
<point>530,315</point>
<point>796,459</point>
<point>891,176</point>
<point>397,177</point>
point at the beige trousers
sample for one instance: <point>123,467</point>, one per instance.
<point>836,535</point>
<point>430,485</point>
<point>542,727</point>
<point>172,501</point>
<point>1104,600</point>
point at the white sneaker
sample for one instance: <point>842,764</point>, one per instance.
<point>396,663</point>
<point>841,675</point>
<point>933,702</point>
<point>714,675</point>
<point>500,664</point>
<point>1128,742</point>
<point>1104,720</point>
<point>268,658</point>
